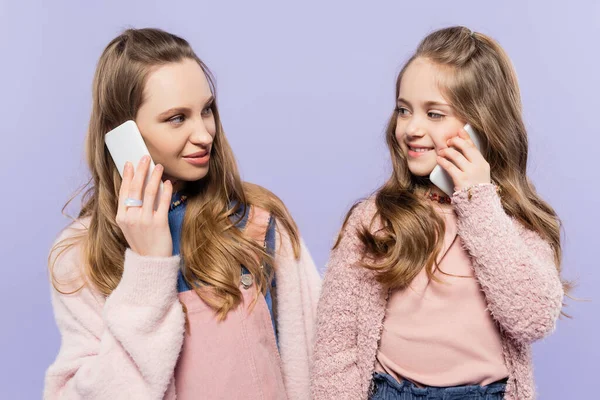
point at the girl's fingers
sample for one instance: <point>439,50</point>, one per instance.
<point>464,135</point>
<point>450,168</point>
<point>466,147</point>
<point>456,157</point>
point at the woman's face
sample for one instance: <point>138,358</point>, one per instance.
<point>176,120</point>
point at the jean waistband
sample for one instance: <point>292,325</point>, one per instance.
<point>408,386</point>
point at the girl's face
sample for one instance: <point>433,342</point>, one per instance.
<point>176,120</point>
<point>425,119</point>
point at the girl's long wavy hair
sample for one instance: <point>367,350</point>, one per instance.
<point>478,79</point>
<point>212,247</point>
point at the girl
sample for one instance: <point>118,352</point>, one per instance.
<point>427,296</point>
<point>181,301</point>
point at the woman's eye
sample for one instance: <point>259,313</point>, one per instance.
<point>177,119</point>
<point>434,115</point>
<point>207,111</point>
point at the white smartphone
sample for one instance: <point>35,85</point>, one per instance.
<point>125,143</point>
<point>440,178</point>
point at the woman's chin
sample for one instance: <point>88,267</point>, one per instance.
<point>188,176</point>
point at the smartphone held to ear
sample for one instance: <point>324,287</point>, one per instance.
<point>440,178</point>
<point>125,143</point>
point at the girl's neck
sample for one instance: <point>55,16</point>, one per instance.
<point>435,190</point>
<point>424,186</point>
<point>429,191</point>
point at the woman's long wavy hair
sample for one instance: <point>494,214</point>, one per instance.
<point>212,247</point>
<point>478,80</point>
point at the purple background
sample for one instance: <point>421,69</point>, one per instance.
<point>305,90</point>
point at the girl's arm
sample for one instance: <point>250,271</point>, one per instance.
<point>514,265</point>
<point>335,373</point>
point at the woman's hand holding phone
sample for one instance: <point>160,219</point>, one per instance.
<point>146,230</point>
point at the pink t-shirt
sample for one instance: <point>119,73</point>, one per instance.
<point>441,333</point>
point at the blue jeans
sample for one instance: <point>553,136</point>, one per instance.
<point>385,387</point>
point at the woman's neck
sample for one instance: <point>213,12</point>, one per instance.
<point>177,183</point>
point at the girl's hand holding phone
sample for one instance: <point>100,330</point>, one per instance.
<point>464,162</point>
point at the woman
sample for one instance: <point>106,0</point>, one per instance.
<point>181,300</point>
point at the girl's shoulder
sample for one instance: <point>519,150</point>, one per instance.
<point>363,213</point>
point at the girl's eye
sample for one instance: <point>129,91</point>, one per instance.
<point>434,115</point>
<point>402,111</point>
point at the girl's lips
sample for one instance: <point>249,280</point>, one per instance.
<point>418,151</point>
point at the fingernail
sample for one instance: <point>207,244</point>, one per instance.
<point>146,158</point>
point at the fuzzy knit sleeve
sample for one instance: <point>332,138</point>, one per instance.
<point>298,286</point>
<point>335,373</point>
<point>122,347</point>
<point>514,266</point>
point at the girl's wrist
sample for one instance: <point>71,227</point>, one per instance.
<point>472,188</point>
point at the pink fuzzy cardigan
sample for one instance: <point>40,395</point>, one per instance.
<point>514,266</point>
<point>126,345</point>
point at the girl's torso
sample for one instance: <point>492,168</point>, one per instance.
<point>441,333</point>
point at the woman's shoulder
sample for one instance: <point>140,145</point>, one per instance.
<point>66,257</point>
<point>259,219</point>
<point>76,228</point>
<point>73,233</point>
<point>257,193</point>
<point>264,206</point>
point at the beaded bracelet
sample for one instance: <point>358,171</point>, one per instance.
<point>470,194</point>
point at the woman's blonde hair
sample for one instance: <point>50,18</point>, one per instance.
<point>478,79</point>
<point>212,247</point>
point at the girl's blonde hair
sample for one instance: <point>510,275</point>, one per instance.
<point>478,79</point>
